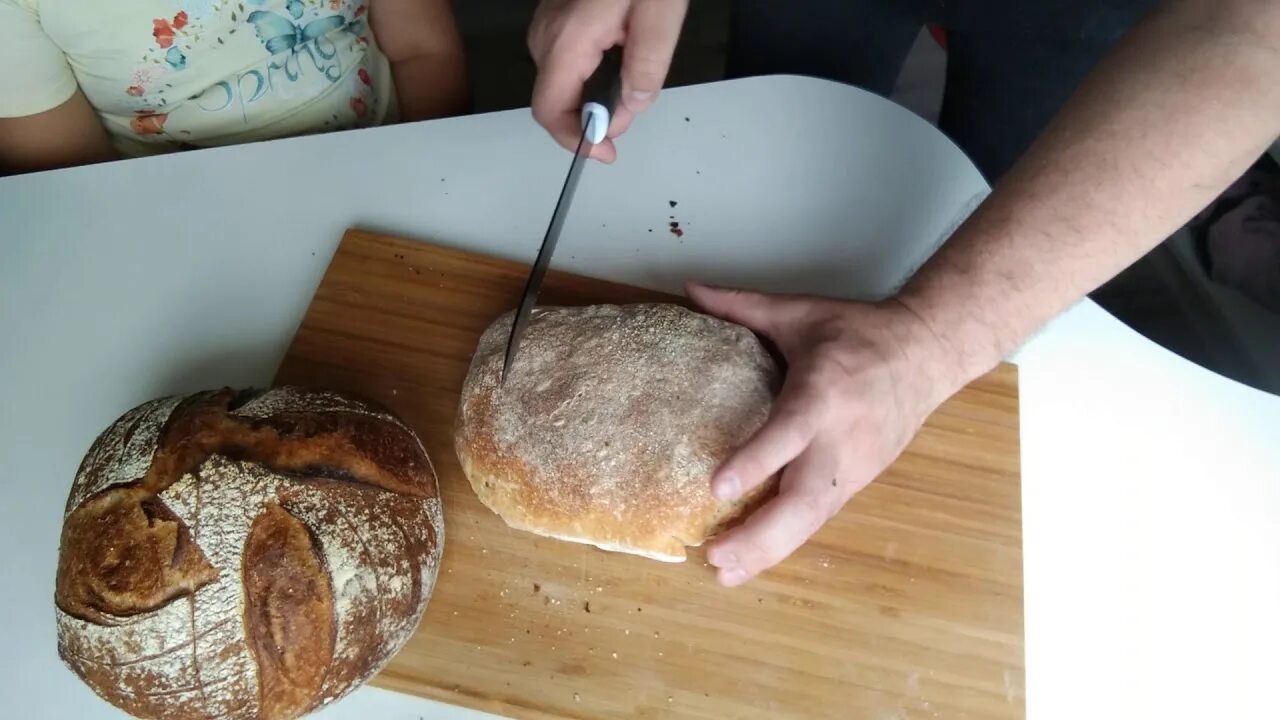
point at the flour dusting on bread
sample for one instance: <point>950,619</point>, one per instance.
<point>611,422</point>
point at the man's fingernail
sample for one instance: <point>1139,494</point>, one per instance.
<point>637,97</point>
<point>733,576</point>
<point>722,560</point>
<point>727,488</point>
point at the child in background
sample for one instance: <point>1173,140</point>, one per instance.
<point>83,81</point>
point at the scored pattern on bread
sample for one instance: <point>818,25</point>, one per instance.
<point>127,553</point>
<point>288,611</point>
<point>303,532</point>
<point>123,452</point>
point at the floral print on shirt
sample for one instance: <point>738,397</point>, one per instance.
<point>299,41</point>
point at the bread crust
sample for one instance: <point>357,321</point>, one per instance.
<point>247,554</point>
<point>610,425</point>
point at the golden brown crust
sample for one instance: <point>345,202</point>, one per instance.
<point>351,446</point>
<point>610,426</point>
<point>288,613</point>
<point>245,555</point>
<point>124,552</point>
<point>372,629</point>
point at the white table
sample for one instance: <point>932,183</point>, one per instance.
<point>1151,487</point>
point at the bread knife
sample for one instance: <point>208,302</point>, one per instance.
<point>600,98</point>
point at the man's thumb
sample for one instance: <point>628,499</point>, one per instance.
<point>745,307</point>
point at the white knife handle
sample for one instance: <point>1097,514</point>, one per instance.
<point>595,120</point>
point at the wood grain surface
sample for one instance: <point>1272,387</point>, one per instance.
<point>907,605</point>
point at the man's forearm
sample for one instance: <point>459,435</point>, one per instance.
<point>1172,116</point>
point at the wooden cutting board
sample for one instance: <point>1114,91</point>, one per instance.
<point>907,605</point>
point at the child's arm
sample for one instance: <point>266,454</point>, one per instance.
<point>421,40</point>
<point>69,134</point>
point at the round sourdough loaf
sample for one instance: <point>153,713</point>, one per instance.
<point>611,423</point>
<point>245,555</point>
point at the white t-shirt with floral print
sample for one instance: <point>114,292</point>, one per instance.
<point>166,74</point>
